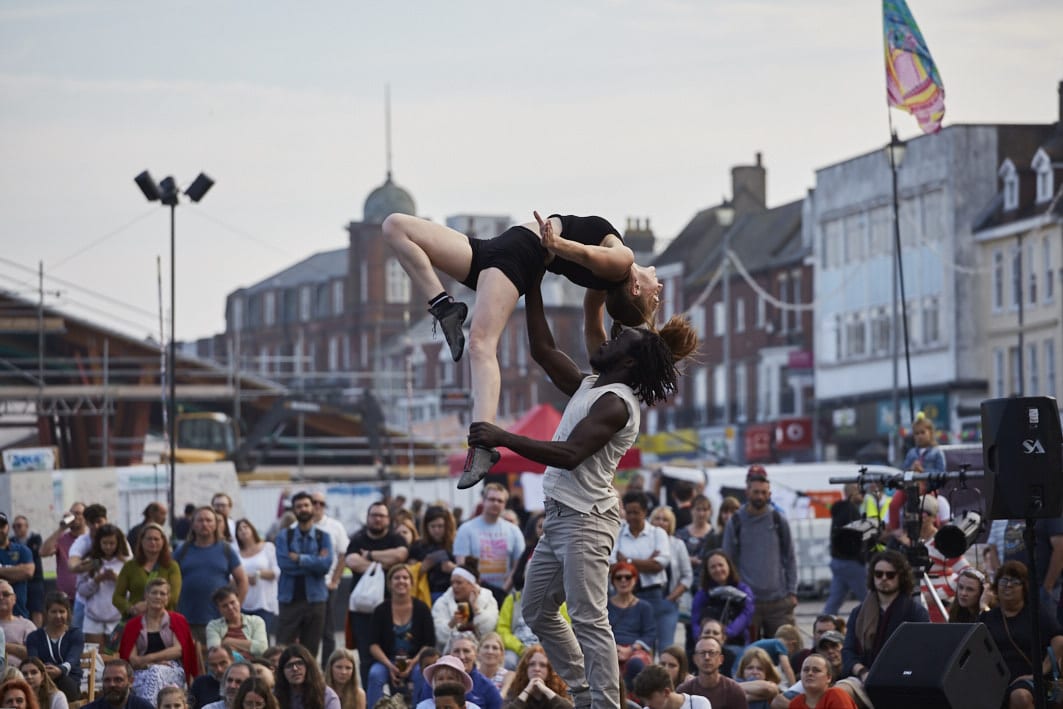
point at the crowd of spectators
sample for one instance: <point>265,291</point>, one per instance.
<point>702,609</point>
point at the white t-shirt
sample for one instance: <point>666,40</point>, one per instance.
<point>693,701</point>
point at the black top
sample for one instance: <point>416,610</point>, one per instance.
<point>422,628</point>
<point>361,541</point>
<point>588,231</point>
<point>438,580</point>
<point>1021,633</point>
<point>205,689</point>
<point>842,513</point>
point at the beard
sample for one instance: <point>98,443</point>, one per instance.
<point>116,696</point>
<point>758,504</point>
<point>304,516</point>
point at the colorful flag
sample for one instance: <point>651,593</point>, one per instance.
<point>912,80</point>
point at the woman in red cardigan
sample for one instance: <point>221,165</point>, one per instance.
<point>158,644</point>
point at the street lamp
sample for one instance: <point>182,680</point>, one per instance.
<point>167,193</point>
<point>725,215</point>
<point>895,152</point>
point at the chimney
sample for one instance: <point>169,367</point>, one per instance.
<point>749,187</point>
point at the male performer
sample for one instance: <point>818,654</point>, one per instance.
<point>600,423</point>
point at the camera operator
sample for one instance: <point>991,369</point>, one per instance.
<point>848,574</point>
<point>942,572</point>
<point>71,526</point>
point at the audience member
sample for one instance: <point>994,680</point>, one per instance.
<point>151,559</point>
<point>654,686</point>
<point>15,693</point>
<point>172,698</point>
<point>232,679</point>
<point>154,513</point>
<point>241,632</point>
<point>465,607</point>
<point>674,659</point>
<point>848,575</point>
<point>632,621</point>
<point>720,597</point>
<point>207,563</point>
<point>680,578</point>
<point>400,629</point>
<point>536,685</point>
<point>435,549</point>
<point>496,543</point>
<point>816,681</point>
<point>340,675</point>
<point>71,526</point>
<point>301,684</point>
<point>20,532</point>
<point>786,642</point>
<point>695,536</point>
<point>16,567</point>
<point>490,661</point>
<point>968,602</point>
<point>118,689</point>
<point>820,625</point>
<point>206,688</point>
<point>158,644</point>
<point>758,540</point>
<point>59,645</point>
<point>723,692</point>
<point>15,628</point>
<point>222,504</point>
<point>259,559</point>
<point>464,646</point>
<point>373,543</point>
<point>97,585</point>
<point>758,677</point>
<point>449,695</point>
<point>255,693</point>
<point>183,525</point>
<point>305,555</point>
<point>338,534</point>
<point>649,550</point>
<point>445,669</point>
<point>48,695</point>
<point>711,628</point>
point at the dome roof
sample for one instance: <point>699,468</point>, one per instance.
<point>385,200</point>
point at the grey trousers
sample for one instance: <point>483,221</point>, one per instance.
<point>571,563</point>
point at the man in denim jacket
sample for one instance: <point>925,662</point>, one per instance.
<point>304,554</point>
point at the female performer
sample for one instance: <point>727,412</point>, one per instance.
<point>586,250</point>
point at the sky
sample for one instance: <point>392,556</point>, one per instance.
<point>621,108</point>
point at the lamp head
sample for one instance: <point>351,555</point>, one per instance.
<point>169,191</point>
<point>895,150</point>
<point>199,187</point>
<point>725,213</point>
<point>959,534</point>
<point>147,186</point>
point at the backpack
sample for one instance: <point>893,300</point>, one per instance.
<point>776,519</point>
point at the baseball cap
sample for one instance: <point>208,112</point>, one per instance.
<point>929,504</point>
<point>756,471</point>
<point>454,664</point>
<point>3,519</point>
<point>831,636</point>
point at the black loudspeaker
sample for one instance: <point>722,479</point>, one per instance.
<point>938,666</point>
<point>1022,448</point>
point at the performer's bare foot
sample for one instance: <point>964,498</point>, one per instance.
<point>477,463</point>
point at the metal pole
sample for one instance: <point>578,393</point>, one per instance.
<point>1022,298</point>
<point>106,402</point>
<point>726,331</point>
<point>40,325</point>
<point>173,361</point>
<point>895,443</point>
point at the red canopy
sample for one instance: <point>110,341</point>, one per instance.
<point>540,422</point>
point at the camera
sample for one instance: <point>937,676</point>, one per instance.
<point>859,538</point>
<point>68,518</point>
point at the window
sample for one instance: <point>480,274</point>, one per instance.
<point>1042,165</point>
<point>998,373</point>
<point>697,319</point>
<point>933,216</point>
<point>237,314</point>
<point>363,282</point>
<point>855,336</point>
<point>833,244</point>
<point>931,322</point>
<point>334,353</point>
<point>719,390</point>
<point>363,351</point>
<point>839,338</point>
<point>397,288</point>
<point>881,241</point>
<point>305,302</point>
<point>1031,279</point>
<point>1010,178</point>
<point>1032,373</point>
<point>1014,363</point>
<point>740,315</point>
<point>337,297</point>
<point>911,222</point>
<point>856,238</point>
<point>1050,368</point>
<point>784,283</point>
<point>269,309</point>
<point>880,331</point>
<point>446,367</point>
<point>719,318</point>
<point>1046,259</point>
<point>1016,277</point>
<point>795,293</point>
<point>762,312</point>
<point>998,280</point>
<point>740,397</point>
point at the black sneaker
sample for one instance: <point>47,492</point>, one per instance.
<point>477,463</point>
<point>450,314</point>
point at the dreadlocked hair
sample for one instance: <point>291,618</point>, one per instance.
<point>658,353</point>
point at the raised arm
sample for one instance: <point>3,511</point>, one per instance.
<point>607,416</point>
<point>611,262</point>
<point>564,373</point>
<point>594,334</point>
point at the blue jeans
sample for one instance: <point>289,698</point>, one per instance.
<point>571,564</point>
<point>379,677</point>
<point>78,618</point>
<point>846,576</point>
